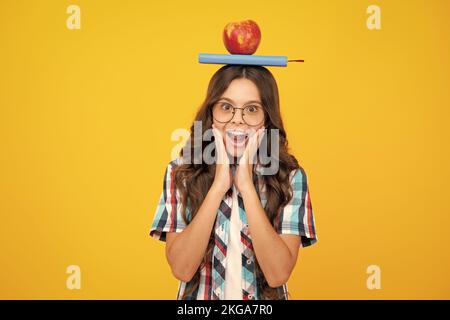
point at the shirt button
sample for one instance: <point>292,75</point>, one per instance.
<point>249,260</point>
<point>250,296</point>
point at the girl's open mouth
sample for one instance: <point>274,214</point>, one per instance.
<point>236,138</point>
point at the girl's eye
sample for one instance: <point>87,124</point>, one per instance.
<point>226,107</point>
<point>252,109</point>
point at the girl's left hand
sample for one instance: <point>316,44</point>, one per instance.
<point>243,178</point>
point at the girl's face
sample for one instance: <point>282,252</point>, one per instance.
<point>243,94</point>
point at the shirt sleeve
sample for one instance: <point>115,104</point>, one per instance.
<point>168,216</point>
<point>297,216</point>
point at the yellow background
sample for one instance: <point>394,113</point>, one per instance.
<point>86,117</point>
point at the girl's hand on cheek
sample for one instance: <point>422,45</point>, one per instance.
<point>223,178</point>
<point>244,173</point>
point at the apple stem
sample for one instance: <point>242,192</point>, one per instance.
<point>296,60</point>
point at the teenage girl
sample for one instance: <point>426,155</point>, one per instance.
<point>231,230</point>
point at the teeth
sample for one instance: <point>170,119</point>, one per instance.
<point>237,136</point>
<point>236,133</point>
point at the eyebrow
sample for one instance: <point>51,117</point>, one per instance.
<point>251,101</point>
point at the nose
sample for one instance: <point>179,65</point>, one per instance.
<point>236,118</point>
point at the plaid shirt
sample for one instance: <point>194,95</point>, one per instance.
<point>295,218</point>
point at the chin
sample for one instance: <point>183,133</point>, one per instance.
<point>236,152</point>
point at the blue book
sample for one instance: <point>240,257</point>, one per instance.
<point>249,59</point>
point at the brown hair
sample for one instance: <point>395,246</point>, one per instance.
<point>198,177</point>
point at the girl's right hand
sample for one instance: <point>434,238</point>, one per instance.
<point>223,179</point>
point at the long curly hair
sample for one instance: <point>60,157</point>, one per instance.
<point>193,179</point>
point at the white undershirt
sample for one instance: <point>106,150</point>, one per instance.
<point>233,270</point>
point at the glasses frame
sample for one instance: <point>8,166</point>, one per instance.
<point>234,112</point>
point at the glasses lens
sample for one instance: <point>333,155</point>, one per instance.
<point>253,115</point>
<point>222,112</point>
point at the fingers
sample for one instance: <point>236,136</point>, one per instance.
<point>253,145</point>
<point>261,135</point>
<point>222,157</point>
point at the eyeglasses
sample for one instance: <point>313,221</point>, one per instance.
<point>252,115</point>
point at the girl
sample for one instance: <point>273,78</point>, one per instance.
<point>231,231</point>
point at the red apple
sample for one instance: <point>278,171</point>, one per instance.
<point>241,37</point>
